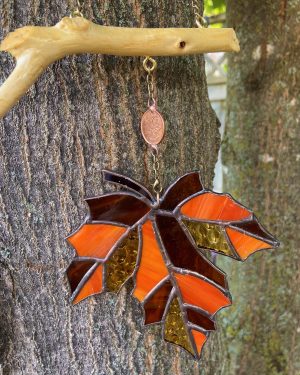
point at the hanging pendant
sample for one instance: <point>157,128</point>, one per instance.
<point>164,246</point>
<point>152,126</point>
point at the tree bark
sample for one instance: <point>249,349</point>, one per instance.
<point>261,153</point>
<point>82,116</point>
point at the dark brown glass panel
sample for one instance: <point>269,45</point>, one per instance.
<point>182,189</point>
<point>156,304</point>
<point>209,236</point>
<point>117,208</point>
<point>121,264</point>
<point>175,330</point>
<point>181,251</point>
<point>254,228</point>
<point>200,320</point>
<point>115,178</point>
<point>77,270</point>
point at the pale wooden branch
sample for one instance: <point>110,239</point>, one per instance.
<point>35,48</point>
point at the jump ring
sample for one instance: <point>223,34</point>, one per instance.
<point>149,69</point>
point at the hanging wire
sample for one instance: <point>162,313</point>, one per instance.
<point>157,185</point>
<point>77,12</point>
<point>199,19</point>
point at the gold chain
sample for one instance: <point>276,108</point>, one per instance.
<point>157,186</point>
<point>199,20</point>
<point>78,11</point>
<point>150,65</point>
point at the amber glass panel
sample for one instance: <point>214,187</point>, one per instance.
<point>77,270</point>
<point>200,320</point>
<point>152,268</point>
<point>175,330</point>
<point>124,181</point>
<point>156,304</point>
<point>121,264</point>
<point>198,292</point>
<point>211,206</point>
<point>182,189</point>
<point>124,209</point>
<point>209,236</point>
<point>93,285</point>
<point>182,252</point>
<point>245,245</point>
<point>253,227</point>
<point>199,338</point>
<point>96,240</point>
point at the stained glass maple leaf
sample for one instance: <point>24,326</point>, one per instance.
<point>163,246</point>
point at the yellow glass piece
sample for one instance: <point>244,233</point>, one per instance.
<point>209,236</point>
<point>121,264</point>
<point>175,330</point>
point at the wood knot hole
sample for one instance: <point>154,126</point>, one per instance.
<point>182,44</point>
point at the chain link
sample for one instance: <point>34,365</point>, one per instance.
<point>150,65</point>
<point>199,20</point>
<point>157,186</point>
<point>78,11</point>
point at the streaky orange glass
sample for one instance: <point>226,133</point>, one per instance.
<point>93,285</point>
<point>214,207</point>
<point>245,245</point>
<point>152,268</point>
<point>96,240</point>
<point>198,292</point>
<point>200,339</point>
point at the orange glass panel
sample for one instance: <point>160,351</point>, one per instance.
<point>198,292</point>
<point>152,268</point>
<point>199,338</point>
<point>211,206</point>
<point>96,240</point>
<point>93,285</point>
<point>245,245</point>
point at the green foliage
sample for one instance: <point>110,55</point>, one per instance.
<point>212,7</point>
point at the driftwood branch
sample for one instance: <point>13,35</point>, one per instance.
<point>35,48</point>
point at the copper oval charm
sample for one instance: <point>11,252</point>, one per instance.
<point>152,126</point>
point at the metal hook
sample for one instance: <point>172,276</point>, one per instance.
<point>200,20</point>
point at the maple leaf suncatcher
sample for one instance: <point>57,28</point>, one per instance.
<point>162,245</point>
<point>164,242</point>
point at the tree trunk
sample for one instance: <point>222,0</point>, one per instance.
<point>80,117</point>
<point>262,157</point>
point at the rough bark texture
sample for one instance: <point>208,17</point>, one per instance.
<point>262,155</point>
<point>81,116</point>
